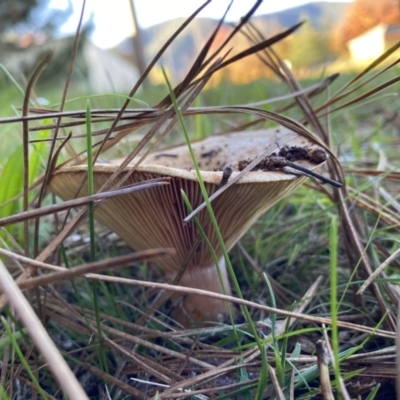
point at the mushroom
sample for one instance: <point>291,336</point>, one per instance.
<point>154,218</point>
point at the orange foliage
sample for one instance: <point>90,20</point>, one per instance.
<point>363,15</point>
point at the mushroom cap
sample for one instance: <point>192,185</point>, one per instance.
<point>153,218</point>
<point>218,151</point>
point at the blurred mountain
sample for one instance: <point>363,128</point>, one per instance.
<point>321,17</point>
<point>181,54</point>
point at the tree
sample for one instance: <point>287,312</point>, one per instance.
<point>13,12</point>
<point>309,47</point>
<point>30,15</point>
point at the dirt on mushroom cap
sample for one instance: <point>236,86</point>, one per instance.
<point>217,152</point>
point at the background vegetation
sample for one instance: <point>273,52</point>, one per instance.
<point>300,266</point>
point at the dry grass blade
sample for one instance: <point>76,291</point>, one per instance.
<point>60,369</point>
<point>196,393</point>
<point>322,87</point>
<point>340,96</point>
<point>49,250</point>
<point>144,363</point>
<point>180,386</point>
<point>95,267</point>
<point>201,63</point>
<point>155,128</point>
<point>323,357</point>
<point>352,231</point>
<point>291,389</point>
<point>351,225</point>
<point>30,261</point>
<point>152,114</point>
<point>25,135</point>
<point>185,85</point>
<point>280,329</point>
<point>230,182</point>
<point>141,79</point>
<point>281,292</point>
<point>337,98</point>
<point>51,160</point>
<point>256,48</point>
<point>284,73</point>
<point>196,68</point>
<point>387,175</point>
<point>327,346</point>
<point>267,309</point>
<point>243,21</point>
<point>154,347</point>
<point>384,213</point>
<point>271,116</point>
<point>310,91</point>
<point>378,271</point>
<point>97,115</point>
<point>365,95</point>
<point>113,381</point>
<point>277,387</point>
<point>304,104</point>
<point>98,197</point>
<point>268,115</point>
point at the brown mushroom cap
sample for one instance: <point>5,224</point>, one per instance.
<point>217,152</point>
<point>153,218</point>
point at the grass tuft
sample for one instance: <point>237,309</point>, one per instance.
<point>320,266</point>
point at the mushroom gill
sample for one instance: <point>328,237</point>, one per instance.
<point>153,218</point>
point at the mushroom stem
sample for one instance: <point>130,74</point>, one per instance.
<point>191,308</point>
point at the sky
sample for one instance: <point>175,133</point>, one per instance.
<point>113,18</point>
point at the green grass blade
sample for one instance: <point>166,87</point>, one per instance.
<point>3,394</point>
<point>90,180</point>
<point>374,392</point>
<point>11,179</point>
<point>11,183</point>
<point>246,390</point>
<point>22,358</point>
<point>75,289</point>
<point>212,216</point>
<point>263,379</point>
<point>11,78</point>
<point>333,297</point>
